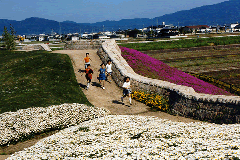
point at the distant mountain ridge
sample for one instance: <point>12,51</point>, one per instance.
<point>221,13</point>
<point>35,25</point>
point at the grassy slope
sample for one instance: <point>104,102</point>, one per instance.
<point>37,79</point>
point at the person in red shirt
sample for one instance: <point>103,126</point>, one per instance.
<point>87,60</point>
<point>89,73</point>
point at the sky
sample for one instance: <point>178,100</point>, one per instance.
<point>91,11</point>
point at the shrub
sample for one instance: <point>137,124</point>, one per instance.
<point>151,100</point>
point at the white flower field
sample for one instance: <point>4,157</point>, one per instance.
<point>138,137</point>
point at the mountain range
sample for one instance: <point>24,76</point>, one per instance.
<point>221,13</point>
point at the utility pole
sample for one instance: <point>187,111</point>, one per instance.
<point>60,29</point>
<point>80,34</point>
<point>92,33</point>
<point>143,29</point>
<point>178,27</point>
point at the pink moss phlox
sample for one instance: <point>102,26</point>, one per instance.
<point>151,67</point>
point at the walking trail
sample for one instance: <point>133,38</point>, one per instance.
<point>110,98</point>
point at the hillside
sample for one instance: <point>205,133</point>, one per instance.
<point>36,25</point>
<point>221,13</point>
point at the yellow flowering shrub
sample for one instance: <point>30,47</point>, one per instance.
<point>151,100</point>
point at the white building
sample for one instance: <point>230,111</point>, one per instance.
<point>75,38</point>
<point>41,38</point>
<point>85,35</point>
<point>231,26</point>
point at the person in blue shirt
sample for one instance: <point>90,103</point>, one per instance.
<point>102,75</point>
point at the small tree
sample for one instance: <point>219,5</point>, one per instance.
<point>8,38</point>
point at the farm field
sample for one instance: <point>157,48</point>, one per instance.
<point>184,43</point>
<point>37,79</point>
<point>221,64</point>
<point>148,66</point>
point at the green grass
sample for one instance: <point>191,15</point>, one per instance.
<point>204,61</point>
<point>37,79</point>
<point>184,43</point>
<point>56,49</point>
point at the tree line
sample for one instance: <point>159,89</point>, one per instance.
<point>9,38</point>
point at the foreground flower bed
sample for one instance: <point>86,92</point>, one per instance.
<point>15,126</point>
<point>153,68</point>
<point>151,100</point>
<point>138,137</point>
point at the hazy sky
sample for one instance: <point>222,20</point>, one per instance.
<point>90,11</point>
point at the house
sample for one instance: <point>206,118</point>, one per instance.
<point>168,32</point>
<point>158,28</point>
<point>100,36</point>
<point>231,27</point>
<point>75,38</point>
<point>198,28</point>
<point>84,35</point>
<point>42,37</point>
<point>237,28</point>
<point>115,36</point>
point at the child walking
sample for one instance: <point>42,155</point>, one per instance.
<point>109,70</point>
<point>89,73</point>
<point>87,60</point>
<point>127,89</point>
<point>102,75</point>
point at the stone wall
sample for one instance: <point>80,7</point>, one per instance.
<point>83,45</point>
<point>36,47</point>
<point>184,100</point>
<point>32,47</point>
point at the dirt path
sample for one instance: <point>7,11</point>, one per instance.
<point>110,98</point>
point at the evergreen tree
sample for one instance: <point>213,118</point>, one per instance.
<point>8,38</point>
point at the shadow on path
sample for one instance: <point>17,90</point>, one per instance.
<point>82,85</point>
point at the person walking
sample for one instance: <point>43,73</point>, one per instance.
<point>127,89</point>
<point>87,60</point>
<point>88,75</point>
<point>109,71</point>
<point>102,75</point>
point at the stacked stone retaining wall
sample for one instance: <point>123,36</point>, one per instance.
<point>184,100</point>
<point>83,45</point>
<point>32,47</point>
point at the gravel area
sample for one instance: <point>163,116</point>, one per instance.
<point>138,137</point>
<point>25,122</point>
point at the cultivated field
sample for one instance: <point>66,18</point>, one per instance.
<point>221,64</point>
<point>183,43</point>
